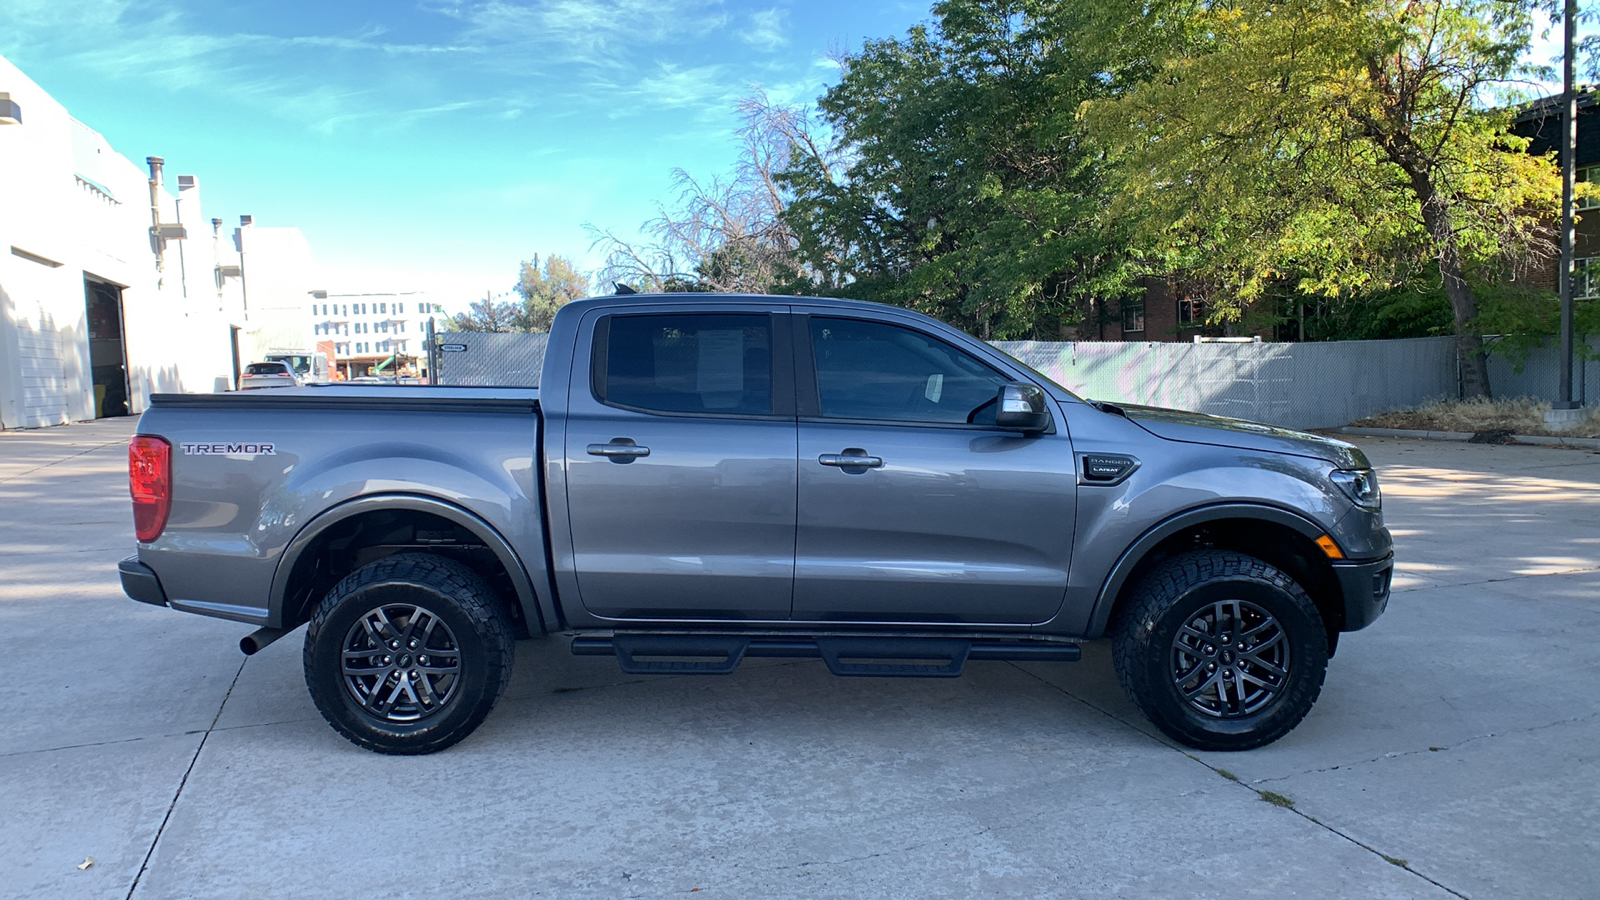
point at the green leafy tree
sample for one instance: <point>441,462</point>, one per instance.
<point>545,288</point>
<point>966,188</point>
<point>487,314</point>
<point>1331,147</point>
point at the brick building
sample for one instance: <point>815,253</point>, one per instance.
<point>1541,122</point>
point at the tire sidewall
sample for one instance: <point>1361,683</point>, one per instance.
<point>477,688</point>
<point>1308,660</point>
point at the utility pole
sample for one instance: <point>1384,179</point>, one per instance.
<point>1563,407</point>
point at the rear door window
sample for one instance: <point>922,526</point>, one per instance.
<point>718,364</point>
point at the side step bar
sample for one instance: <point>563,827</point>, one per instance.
<point>867,655</point>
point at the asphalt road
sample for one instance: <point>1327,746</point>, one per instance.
<point>1453,751</point>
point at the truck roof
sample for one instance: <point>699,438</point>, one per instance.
<point>726,299</point>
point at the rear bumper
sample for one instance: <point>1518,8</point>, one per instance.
<point>1365,586</point>
<point>140,583</point>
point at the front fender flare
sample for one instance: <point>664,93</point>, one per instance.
<point>1130,558</point>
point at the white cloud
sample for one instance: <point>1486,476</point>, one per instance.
<point>598,32</point>
<point>765,30</point>
<point>700,86</point>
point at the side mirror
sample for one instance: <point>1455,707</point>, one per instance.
<point>1021,407</point>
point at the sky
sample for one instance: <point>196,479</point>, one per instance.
<point>434,144</point>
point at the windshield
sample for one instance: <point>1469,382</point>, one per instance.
<point>272,368</point>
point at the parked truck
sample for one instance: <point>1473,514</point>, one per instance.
<point>309,366</point>
<point>698,479</point>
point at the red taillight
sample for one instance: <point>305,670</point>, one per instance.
<point>150,483</point>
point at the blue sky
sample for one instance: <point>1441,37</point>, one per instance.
<point>433,143</point>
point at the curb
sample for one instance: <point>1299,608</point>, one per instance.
<point>1584,443</point>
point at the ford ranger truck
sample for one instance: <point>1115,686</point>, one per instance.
<point>697,479</point>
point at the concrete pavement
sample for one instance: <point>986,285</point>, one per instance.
<point>1451,754</point>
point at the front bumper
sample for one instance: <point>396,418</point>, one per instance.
<point>1365,587</point>
<point>140,583</point>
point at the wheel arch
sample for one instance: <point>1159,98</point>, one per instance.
<point>298,574</point>
<point>1277,536</point>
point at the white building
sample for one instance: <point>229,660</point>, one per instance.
<point>105,296</point>
<point>276,276</point>
<point>372,332</point>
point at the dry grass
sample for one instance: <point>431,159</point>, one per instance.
<point>1520,415</point>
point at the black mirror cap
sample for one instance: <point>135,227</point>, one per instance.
<point>1021,407</point>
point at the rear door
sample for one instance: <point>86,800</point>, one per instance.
<point>913,506</point>
<point>680,450</point>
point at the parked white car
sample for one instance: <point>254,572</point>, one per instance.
<point>267,375</point>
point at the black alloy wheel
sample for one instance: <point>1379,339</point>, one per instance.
<point>408,654</point>
<point>1220,650</point>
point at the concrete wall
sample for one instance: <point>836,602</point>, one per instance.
<point>71,209</point>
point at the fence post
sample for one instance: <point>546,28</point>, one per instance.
<point>433,355</point>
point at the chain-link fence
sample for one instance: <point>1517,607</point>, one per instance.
<point>483,359</point>
<point>1539,375</point>
<point>1310,385</point>
<point>1295,385</point>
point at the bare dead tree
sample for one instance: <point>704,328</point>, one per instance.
<point>726,233</point>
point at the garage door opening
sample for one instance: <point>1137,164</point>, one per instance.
<point>108,354</point>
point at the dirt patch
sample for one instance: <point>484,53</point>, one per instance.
<point>1520,415</point>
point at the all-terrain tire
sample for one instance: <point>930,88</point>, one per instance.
<point>409,654</point>
<point>1220,650</point>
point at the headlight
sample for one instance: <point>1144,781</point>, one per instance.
<point>1361,485</point>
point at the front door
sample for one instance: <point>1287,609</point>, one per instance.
<point>681,468</point>
<point>912,508</point>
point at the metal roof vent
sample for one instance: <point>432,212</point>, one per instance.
<point>10,112</point>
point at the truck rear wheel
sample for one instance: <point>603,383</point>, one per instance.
<point>409,654</point>
<point>1220,650</point>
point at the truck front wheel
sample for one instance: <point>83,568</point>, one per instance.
<point>409,654</point>
<point>1220,650</point>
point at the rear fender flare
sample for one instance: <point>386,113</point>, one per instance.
<point>537,609</point>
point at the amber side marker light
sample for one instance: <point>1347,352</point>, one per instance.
<point>1329,547</point>
<point>150,484</point>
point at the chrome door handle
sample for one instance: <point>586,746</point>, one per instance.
<point>619,448</point>
<point>851,459</point>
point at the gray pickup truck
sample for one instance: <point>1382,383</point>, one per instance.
<point>703,478</point>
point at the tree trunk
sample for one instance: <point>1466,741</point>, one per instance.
<point>1463,302</point>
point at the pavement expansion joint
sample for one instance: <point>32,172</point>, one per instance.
<point>1456,584</point>
<point>184,781</point>
<point>1394,861</point>
<point>117,443</point>
<point>86,744</point>
<point>1401,754</point>
<point>1107,713</point>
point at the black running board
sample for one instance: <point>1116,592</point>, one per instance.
<point>860,655</point>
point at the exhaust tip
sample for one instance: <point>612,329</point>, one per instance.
<point>259,640</point>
